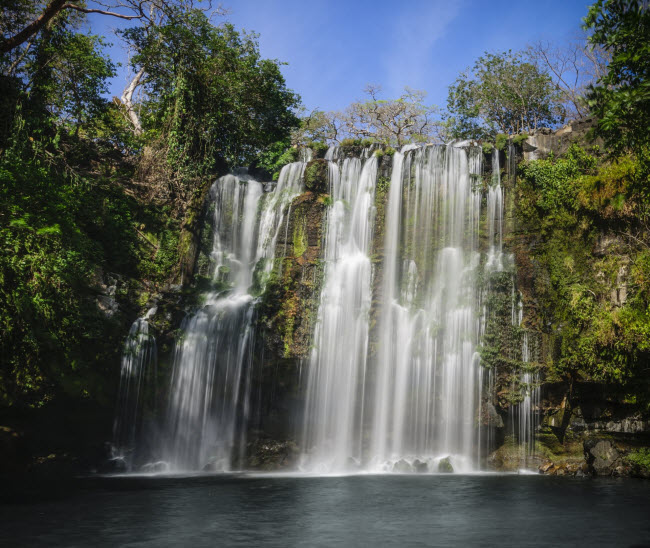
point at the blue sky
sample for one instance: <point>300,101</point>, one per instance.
<point>334,48</point>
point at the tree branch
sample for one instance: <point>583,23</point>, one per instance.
<point>54,7</point>
<point>102,12</point>
<point>51,10</point>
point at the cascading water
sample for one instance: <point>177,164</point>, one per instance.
<point>394,381</point>
<point>417,397</point>
<point>495,218</point>
<point>137,376</point>
<point>335,393</point>
<point>524,414</point>
<point>427,369</point>
<point>208,402</point>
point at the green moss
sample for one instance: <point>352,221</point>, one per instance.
<point>501,141</point>
<point>445,467</point>
<point>351,143</point>
<point>316,176</point>
<point>383,184</point>
<point>318,148</point>
<point>518,140</point>
<point>640,458</point>
<point>299,239</point>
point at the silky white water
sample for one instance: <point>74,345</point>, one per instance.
<point>337,367</point>
<point>411,397</point>
<point>427,370</point>
<point>208,400</point>
<point>393,381</point>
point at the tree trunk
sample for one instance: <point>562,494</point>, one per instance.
<point>127,100</point>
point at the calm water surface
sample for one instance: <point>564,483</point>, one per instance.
<point>336,511</point>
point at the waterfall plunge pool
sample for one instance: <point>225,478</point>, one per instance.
<point>358,510</point>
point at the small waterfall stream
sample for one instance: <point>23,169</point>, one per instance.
<point>138,374</point>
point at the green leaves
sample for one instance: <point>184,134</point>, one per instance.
<point>501,93</point>
<point>621,98</point>
<point>209,93</point>
<point>595,301</point>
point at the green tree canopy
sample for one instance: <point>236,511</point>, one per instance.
<point>621,98</point>
<point>208,92</point>
<point>501,93</point>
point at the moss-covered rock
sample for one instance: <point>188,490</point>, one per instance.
<point>316,176</point>
<point>445,466</point>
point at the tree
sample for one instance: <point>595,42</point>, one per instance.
<point>319,126</point>
<point>502,92</point>
<point>621,98</point>
<point>396,121</point>
<point>572,67</point>
<point>16,31</point>
<point>208,93</point>
<point>406,119</point>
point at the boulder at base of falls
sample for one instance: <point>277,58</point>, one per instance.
<point>602,457</point>
<point>402,466</point>
<point>269,454</point>
<point>445,467</point>
<point>420,467</point>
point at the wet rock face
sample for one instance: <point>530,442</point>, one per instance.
<point>266,454</point>
<point>544,141</point>
<point>564,469</point>
<point>290,302</point>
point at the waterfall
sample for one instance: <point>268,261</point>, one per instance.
<point>208,401</point>
<point>427,368</point>
<point>495,218</point>
<point>137,377</point>
<point>524,414</point>
<point>416,398</point>
<point>393,381</point>
<point>337,367</point>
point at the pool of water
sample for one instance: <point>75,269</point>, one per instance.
<point>365,510</point>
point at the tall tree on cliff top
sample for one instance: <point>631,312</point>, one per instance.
<point>572,66</point>
<point>621,98</point>
<point>208,93</point>
<point>502,93</point>
<point>407,119</point>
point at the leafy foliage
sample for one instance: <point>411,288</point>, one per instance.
<point>77,211</point>
<point>209,94</point>
<point>621,98</point>
<point>501,93</point>
<point>593,294</point>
